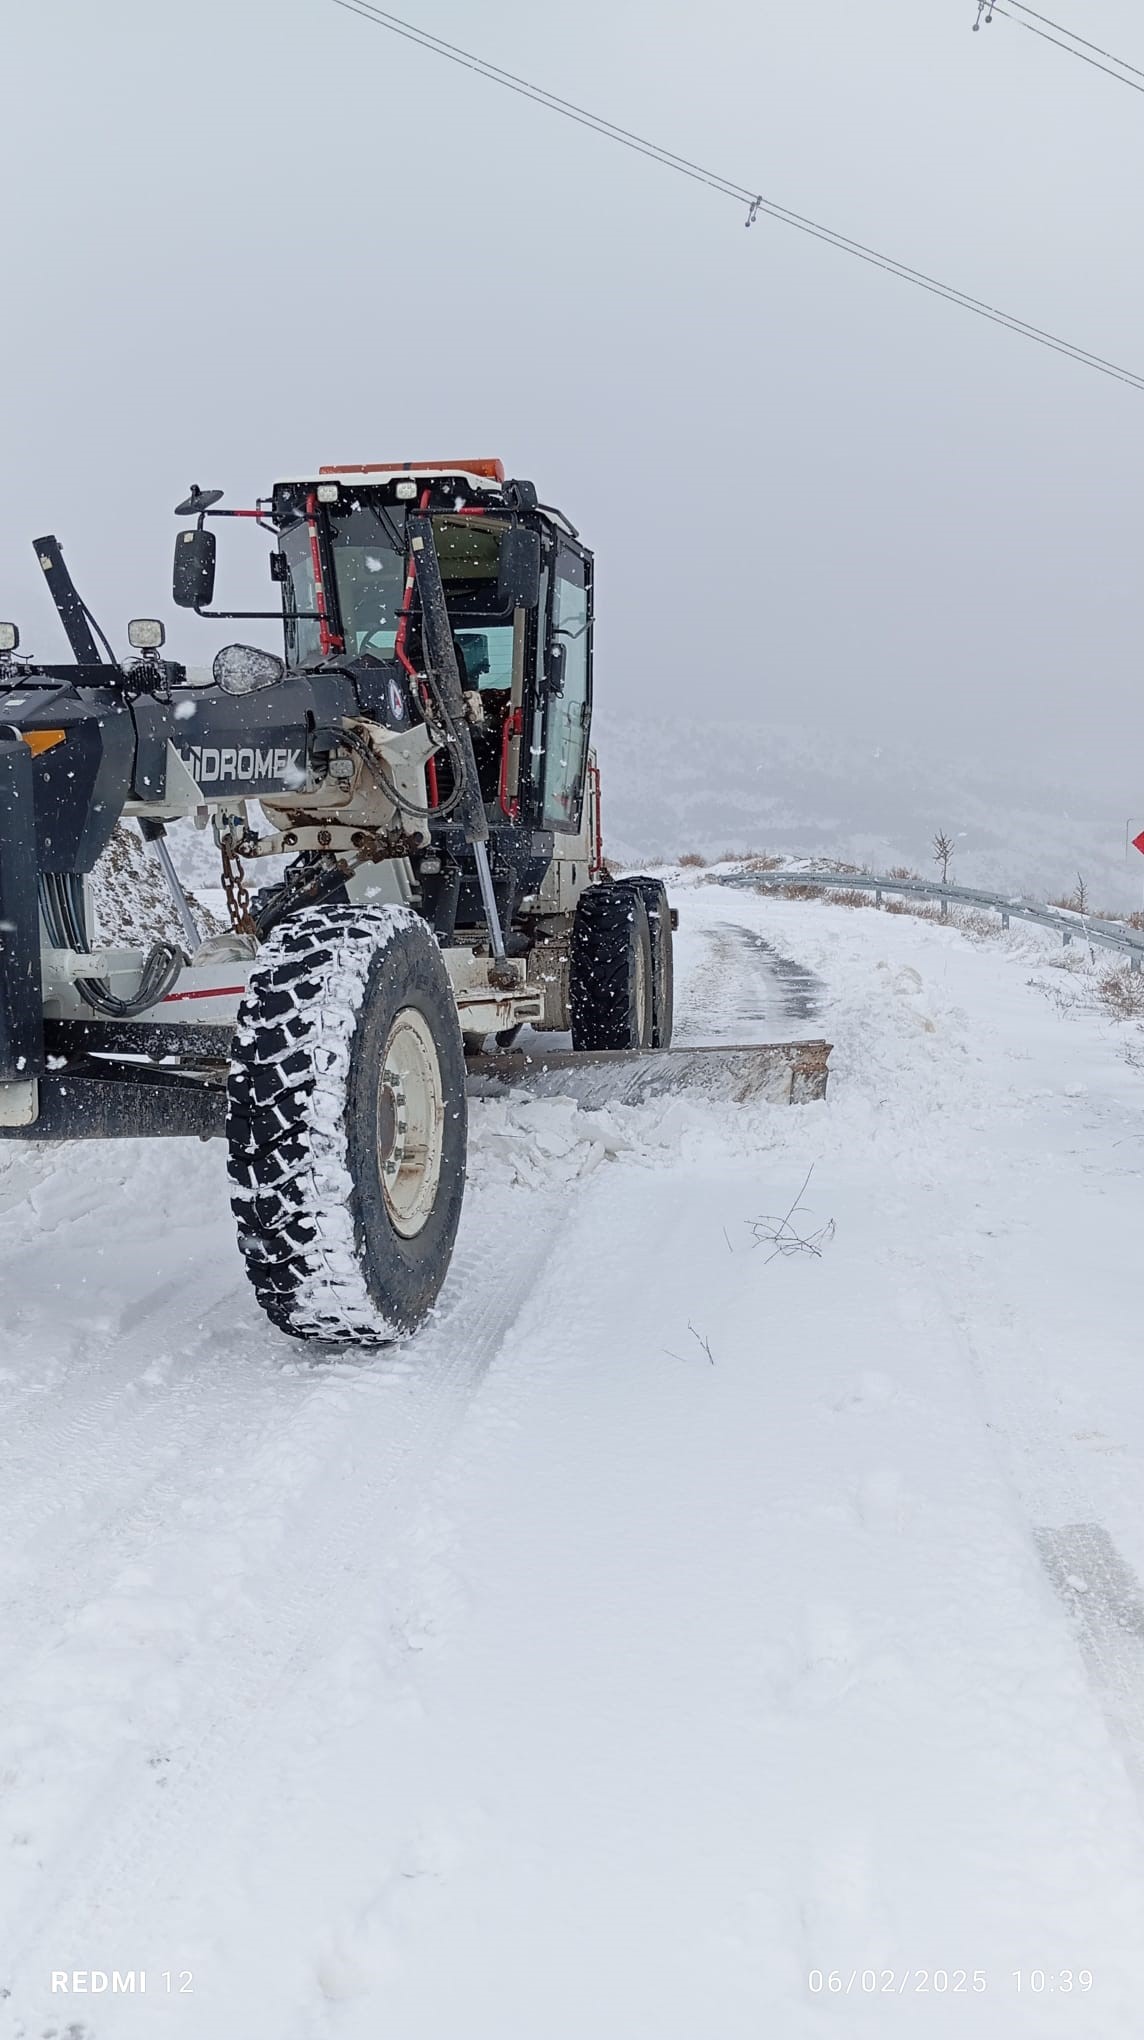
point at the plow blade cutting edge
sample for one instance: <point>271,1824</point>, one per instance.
<point>125,1100</point>
<point>778,1072</point>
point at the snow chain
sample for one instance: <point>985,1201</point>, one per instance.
<point>237,897</point>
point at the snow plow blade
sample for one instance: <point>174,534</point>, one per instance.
<point>780,1072</point>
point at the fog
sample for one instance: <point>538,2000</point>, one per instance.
<point>244,238</point>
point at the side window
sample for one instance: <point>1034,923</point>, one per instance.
<point>303,638</point>
<point>566,713</point>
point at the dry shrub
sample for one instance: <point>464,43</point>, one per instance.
<point>752,860</point>
<point>1091,913</point>
<point>1058,995</point>
<point>902,871</point>
<point>1121,992</point>
<point>975,921</point>
<point>800,892</point>
<point>921,910</point>
<point>970,920</point>
<point>693,858</point>
<point>1135,920</point>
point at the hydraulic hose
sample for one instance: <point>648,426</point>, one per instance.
<point>62,906</point>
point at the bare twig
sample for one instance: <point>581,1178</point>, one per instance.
<point>704,1346</point>
<point>784,1237</point>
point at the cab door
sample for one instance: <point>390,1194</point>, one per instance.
<point>568,703</point>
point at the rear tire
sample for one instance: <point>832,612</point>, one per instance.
<point>653,893</point>
<point>346,1124</point>
<point>611,980</point>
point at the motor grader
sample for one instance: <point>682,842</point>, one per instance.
<point>414,778</point>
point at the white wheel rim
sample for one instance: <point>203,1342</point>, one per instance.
<point>410,1122</point>
<point>643,1016</point>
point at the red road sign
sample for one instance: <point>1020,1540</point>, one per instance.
<point>1138,842</point>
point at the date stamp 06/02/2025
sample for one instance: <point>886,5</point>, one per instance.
<point>947,1982</point>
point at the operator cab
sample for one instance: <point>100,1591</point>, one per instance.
<point>523,637</point>
<point>512,593</point>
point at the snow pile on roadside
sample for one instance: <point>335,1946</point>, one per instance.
<point>133,906</point>
<point>546,1141</point>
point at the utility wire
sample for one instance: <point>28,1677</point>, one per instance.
<point>986,9</point>
<point>1074,37</point>
<point>754,201</point>
<point>542,96</point>
<point>990,7</point>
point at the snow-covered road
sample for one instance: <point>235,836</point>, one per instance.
<point>670,1629</point>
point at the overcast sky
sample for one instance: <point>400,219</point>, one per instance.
<point>245,236</point>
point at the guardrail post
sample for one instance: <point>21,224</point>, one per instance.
<point>1066,938</point>
<point>1004,920</point>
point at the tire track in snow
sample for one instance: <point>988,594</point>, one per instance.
<point>136,1502</point>
<point>1097,1588</point>
<point>92,1427</point>
<point>85,1387</point>
<point>101,1425</point>
<point>744,989</point>
<point>1099,1591</point>
<point>388,1427</point>
<point>1105,1602</point>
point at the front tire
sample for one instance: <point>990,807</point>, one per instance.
<point>346,1124</point>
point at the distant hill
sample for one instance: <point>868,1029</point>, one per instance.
<point>710,787</point>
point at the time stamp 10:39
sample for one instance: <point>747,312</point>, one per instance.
<point>947,1982</point>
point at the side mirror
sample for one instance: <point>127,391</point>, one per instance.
<point>518,568</point>
<point>192,583</point>
<point>244,669</point>
<point>9,637</point>
<point>557,661</point>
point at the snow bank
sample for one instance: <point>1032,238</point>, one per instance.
<point>670,1628</point>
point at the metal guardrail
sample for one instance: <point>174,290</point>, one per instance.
<point>1071,926</point>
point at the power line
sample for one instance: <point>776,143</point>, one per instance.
<point>986,9</point>
<point>726,186</point>
<point>1074,37</point>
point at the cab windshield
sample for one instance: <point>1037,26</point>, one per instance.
<point>369,563</point>
<point>369,567</point>
<point>469,551</point>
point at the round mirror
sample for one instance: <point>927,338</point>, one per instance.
<point>243,669</point>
